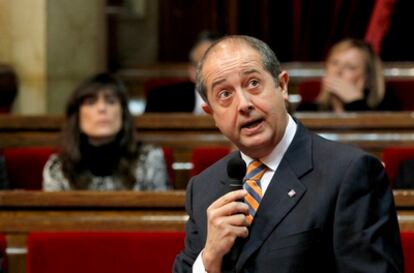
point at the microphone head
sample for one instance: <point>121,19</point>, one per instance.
<point>236,168</point>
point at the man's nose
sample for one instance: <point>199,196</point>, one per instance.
<point>245,102</point>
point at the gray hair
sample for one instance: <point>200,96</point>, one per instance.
<point>268,58</point>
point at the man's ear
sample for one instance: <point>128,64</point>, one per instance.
<point>283,82</point>
<point>206,108</point>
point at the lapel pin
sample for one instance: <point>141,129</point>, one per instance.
<point>291,193</point>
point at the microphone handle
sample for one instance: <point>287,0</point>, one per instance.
<point>235,184</point>
<point>230,259</point>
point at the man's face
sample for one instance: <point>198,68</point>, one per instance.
<point>247,105</point>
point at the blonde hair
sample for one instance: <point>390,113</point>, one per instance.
<point>375,86</point>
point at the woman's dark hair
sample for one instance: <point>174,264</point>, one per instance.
<point>73,138</point>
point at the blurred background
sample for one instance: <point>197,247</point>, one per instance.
<point>49,46</point>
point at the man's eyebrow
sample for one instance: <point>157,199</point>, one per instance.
<point>250,71</point>
<point>242,73</point>
<point>217,82</point>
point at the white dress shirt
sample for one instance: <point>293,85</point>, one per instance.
<point>272,162</point>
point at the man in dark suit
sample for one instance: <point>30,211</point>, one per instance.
<point>322,206</point>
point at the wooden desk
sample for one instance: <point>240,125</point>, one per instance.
<point>404,202</point>
<point>176,129</point>
<point>25,211</point>
<point>182,132</point>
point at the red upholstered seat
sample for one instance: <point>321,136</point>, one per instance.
<point>3,255</point>
<point>203,157</point>
<point>407,240</point>
<point>3,243</point>
<point>309,90</point>
<point>102,252</point>
<point>25,166</point>
<point>404,91</point>
<point>392,157</point>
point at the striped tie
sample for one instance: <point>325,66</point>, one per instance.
<point>255,171</point>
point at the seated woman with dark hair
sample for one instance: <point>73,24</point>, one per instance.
<point>100,151</point>
<point>353,81</point>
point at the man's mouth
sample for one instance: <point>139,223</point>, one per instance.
<point>252,124</point>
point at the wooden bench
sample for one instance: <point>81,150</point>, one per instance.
<point>182,132</point>
<point>24,211</point>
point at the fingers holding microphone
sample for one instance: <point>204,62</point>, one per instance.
<point>226,221</point>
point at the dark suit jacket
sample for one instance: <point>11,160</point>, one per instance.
<point>342,218</point>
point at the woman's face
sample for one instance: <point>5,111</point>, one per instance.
<point>348,65</point>
<point>100,117</point>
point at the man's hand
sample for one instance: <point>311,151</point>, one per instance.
<point>226,220</point>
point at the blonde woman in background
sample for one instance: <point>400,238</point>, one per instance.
<point>353,80</point>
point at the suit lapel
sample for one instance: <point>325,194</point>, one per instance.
<point>284,192</point>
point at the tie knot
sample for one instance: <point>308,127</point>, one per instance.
<point>255,170</point>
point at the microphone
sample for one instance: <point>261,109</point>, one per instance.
<point>236,170</point>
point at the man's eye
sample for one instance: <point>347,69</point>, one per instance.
<point>223,94</point>
<point>253,83</point>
